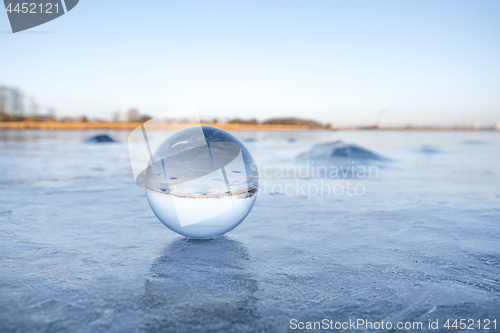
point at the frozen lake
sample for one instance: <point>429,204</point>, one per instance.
<point>81,251</point>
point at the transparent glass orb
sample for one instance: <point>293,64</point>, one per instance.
<point>201,182</point>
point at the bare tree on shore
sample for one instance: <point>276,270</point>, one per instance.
<point>115,116</point>
<point>11,104</point>
<point>132,115</point>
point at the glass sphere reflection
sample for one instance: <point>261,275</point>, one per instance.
<point>201,182</point>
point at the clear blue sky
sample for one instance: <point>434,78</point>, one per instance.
<point>424,62</point>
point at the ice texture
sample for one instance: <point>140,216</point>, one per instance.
<point>81,251</point>
<point>428,149</point>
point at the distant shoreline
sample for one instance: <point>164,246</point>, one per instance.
<point>75,125</point>
<point>70,125</point>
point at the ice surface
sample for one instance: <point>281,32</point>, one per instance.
<point>428,149</point>
<point>80,250</point>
